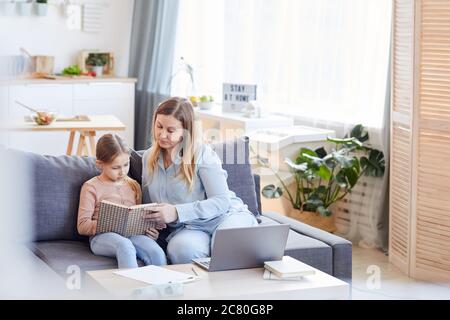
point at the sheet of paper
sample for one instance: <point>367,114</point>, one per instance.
<point>156,275</point>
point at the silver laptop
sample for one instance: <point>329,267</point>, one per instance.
<point>241,248</point>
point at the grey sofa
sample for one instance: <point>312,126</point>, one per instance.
<point>56,186</point>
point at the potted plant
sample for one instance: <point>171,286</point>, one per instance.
<point>322,178</point>
<point>24,7</point>
<point>41,7</point>
<point>97,61</point>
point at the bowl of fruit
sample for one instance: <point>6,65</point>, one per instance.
<point>206,102</point>
<point>44,117</point>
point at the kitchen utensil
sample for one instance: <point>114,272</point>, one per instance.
<point>43,117</point>
<point>27,107</point>
<point>40,64</point>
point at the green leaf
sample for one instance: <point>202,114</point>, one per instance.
<point>301,155</point>
<point>374,165</point>
<point>272,192</point>
<point>321,152</point>
<point>312,204</point>
<point>313,161</point>
<point>347,143</point>
<point>356,165</point>
<point>307,190</point>
<point>343,160</point>
<point>360,133</point>
<point>324,211</point>
<point>324,172</point>
<point>296,167</point>
<point>72,70</point>
<point>351,175</point>
<point>341,179</point>
<point>321,190</point>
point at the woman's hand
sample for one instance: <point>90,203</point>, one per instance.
<point>162,213</point>
<point>152,233</point>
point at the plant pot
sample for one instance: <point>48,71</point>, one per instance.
<point>24,8</point>
<point>7,8</point>
<point>98,70</point>
<point>41,9</point>
<point>314,219</point>
<point>206,105</point>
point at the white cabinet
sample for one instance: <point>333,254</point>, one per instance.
<point>217,125</point>
<point>56,97</point>
<point>107,98</point>
<point>67,97</point>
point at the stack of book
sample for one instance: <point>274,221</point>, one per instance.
<point>287,269</point>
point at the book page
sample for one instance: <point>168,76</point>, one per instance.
<point>145,205</point>
<point>115,204</point>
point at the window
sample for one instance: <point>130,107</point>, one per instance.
<point>315,58</point>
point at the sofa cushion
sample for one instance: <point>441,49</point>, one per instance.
<point>309,250</point>
<point>136,165</point>
<point>59,255</point>
<point>55,188</point>
<point>234,155</point>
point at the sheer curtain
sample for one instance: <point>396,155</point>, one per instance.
<point>321,55</point>
<point>323,61</point>
<point>151,55</point>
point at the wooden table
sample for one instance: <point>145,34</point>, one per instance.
<point>233,284</point>
<point>86,129</point>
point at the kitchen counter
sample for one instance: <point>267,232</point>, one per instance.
<point>25,81</point>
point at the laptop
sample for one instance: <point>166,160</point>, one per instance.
<point>242,248</point>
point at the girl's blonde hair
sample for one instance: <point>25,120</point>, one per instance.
<point>109,146</point>
<point>182,110</point>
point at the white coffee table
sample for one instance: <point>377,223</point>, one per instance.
<point>234,284</point>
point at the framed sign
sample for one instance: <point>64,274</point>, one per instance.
<point>106,57</point>
<point>237,96</point>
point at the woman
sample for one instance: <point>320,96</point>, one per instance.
<point>187,181</point>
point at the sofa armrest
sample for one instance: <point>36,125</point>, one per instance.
<point>342,248</point>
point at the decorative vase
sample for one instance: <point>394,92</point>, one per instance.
<point>24,8</point>
<point>314,219</point>
<point>41,9</point>
<point>98,70</point>
<point>7,8</point>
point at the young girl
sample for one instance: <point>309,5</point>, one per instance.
<point>186,179</point>
<point>113,184</point>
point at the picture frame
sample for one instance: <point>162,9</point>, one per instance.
<point>108,68</point>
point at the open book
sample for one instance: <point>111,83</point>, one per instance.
<point>126,221</point>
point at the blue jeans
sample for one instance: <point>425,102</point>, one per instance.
<point>189,244</point>
<point>126,250</point>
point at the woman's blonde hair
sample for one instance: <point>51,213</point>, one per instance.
<point>182,110</point>
<point>109,146</point>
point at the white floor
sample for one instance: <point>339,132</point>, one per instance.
<point>393,284</point>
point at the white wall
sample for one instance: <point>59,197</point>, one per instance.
<point>49,35</point>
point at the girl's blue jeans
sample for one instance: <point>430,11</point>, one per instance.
<point>125,250</point>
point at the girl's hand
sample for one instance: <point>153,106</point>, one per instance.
<point>162,213</point>
<point>152,233</point>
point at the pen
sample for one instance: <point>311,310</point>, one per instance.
<point>195,272</point>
